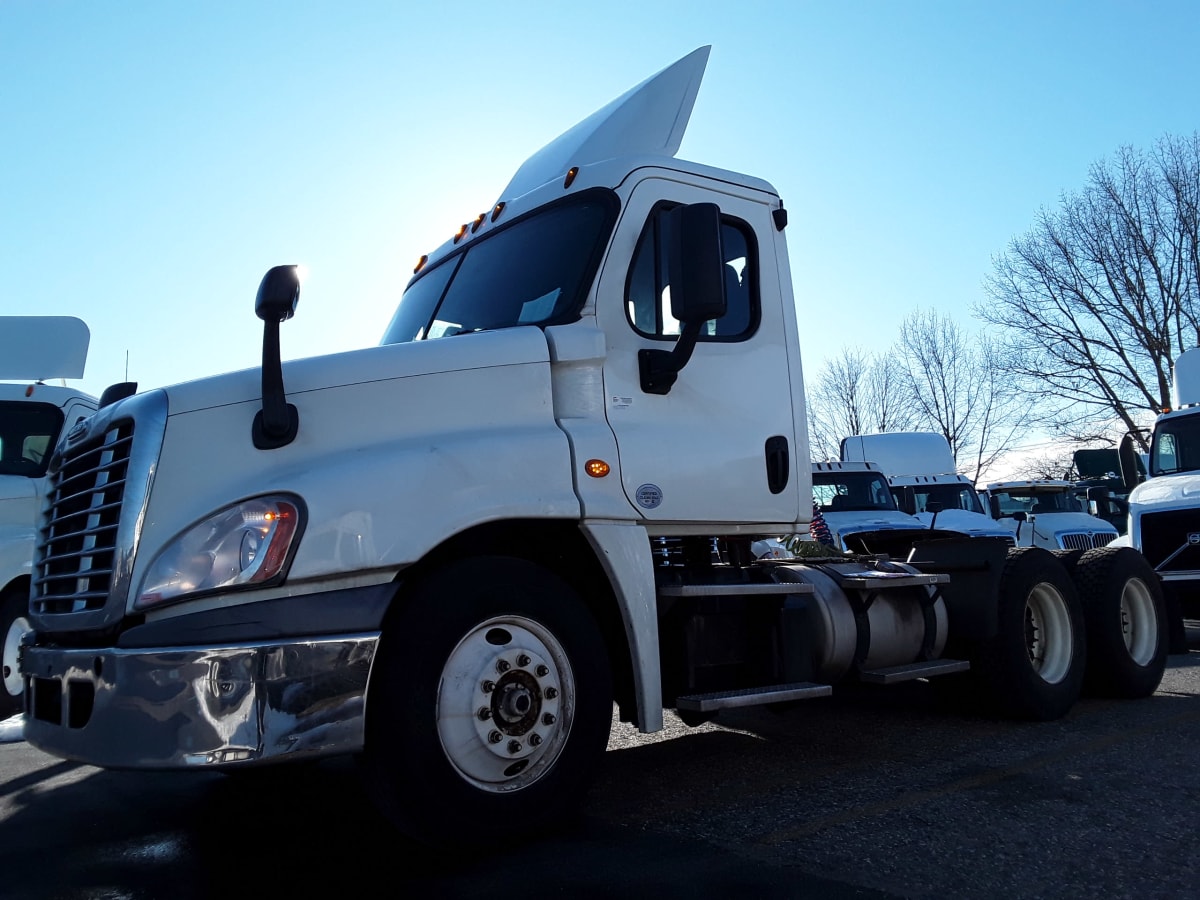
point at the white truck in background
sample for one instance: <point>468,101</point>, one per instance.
<point>452,553</point>
<point>1047,513</point>
<point>857,504</point>
<point>921,471</point>
<point>33,415</point>
<point>1164,509</point>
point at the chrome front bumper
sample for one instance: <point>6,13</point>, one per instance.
<point>189,707</point>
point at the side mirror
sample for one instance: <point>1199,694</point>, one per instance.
<point>1130,477</point>
<point>278,422</point>
<point>278,294</point>
<point>118,391</point>
<point>696,270</point>
<point>935,508</point>
<point>696,266</point>
<point>994,507</point>
<point>1099,501</point>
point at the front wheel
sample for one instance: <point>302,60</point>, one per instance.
<point>489,705</point>
<point>13,624</point>
<point>1033,667</point>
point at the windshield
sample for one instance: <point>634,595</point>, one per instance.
<point>851,491</point>
<point>28,432</point>
<point>950,496</point>
<point>534,271</point>
<point>1176,446</point>
<point>1036,502</point>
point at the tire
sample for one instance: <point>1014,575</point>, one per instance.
<point>489,705</point>
<point>14,607</point>
<point>1126,616</point>
<point>1033,668</point>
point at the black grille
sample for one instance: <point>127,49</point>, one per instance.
<point>1165,532</point>
<point>78,538</point>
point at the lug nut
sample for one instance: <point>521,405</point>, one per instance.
<point>488,686</point>
<point>503,665</point>
<point>514,746</point>
<point>551,693</point>
<point>542,671</point>
<point>495,737</point>
<point>534,740</point>
<point>484,713</point>
<point>548,719</point>
<point>523,660</point>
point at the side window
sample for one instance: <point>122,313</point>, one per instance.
<point>648,295</point>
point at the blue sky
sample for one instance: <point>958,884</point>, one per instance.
<point>157,158</point>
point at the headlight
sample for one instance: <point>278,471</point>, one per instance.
<point>244,545</point>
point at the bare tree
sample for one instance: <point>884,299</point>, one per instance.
<point>1099,297</point>
<point>855,393</point>
<point>956,387</point>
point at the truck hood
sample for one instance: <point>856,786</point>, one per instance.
<point>852,522</point>
<point>966,522</point>
<point>1052,523</point>
<point>481,350</point>
<point>1168,491</point>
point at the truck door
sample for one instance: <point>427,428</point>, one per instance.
<point>721,445</point>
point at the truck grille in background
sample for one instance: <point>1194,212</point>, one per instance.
<point>1082,540</point>
<point>77,542</point>
<point>1165,532</point>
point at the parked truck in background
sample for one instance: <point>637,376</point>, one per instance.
<point>451,553</point>
<point>1047,513</point>
<point>921,470</point>
<point>32,416</point>
<point>857,504</point>
<point>1164,509</point>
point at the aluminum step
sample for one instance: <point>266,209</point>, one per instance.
<point>733,590</point>
<point>778,693</point>
<point>882,581</point>
<point>912,671</point>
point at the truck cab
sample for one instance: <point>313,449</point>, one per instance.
<point>857,504</point>
<point>921,471</point>
<point>1047,513</point>
<point>33,415</point>
<point>1164,508</point>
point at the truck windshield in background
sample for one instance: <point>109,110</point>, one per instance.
<point>1035,503</point>
<point>1176,446</point>
<point>535,271</point>
<point>950,496</point>
<point>28,432</point>
<point>851,491</point>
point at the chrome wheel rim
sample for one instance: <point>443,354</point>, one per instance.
<point>1049,642</point>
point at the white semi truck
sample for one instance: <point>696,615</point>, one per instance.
<point>1047,513</point>
<point>452,553</point>
<point>32,416</point>
<point>860,510</point>
<point>920,468</point>
<point>1164,509</point>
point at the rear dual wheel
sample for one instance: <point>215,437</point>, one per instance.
<point>1127,633</point>
<point>1033,668</point>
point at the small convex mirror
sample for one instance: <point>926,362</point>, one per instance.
<point>278,294</point>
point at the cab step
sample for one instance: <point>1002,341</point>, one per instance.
<point>912,671</point>
<point>778,693</point>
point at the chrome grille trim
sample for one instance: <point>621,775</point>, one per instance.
<point>1085,540</point>
<point>98,485</point>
